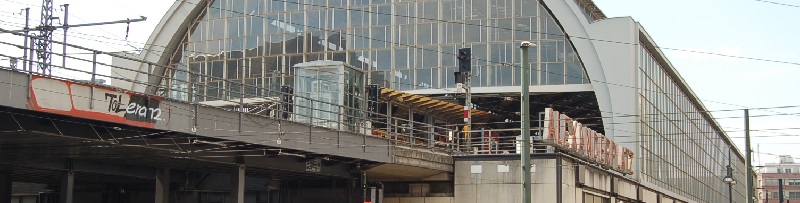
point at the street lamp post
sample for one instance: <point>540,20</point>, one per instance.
<point>525,122</point>
<point>729,178</point>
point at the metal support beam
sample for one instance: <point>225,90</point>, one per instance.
<point>5,188</point>
<point>82,166</point>
<point>237,184</point>
<point>67,187</point>
<point>162,186</point>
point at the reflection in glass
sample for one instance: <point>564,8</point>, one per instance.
<point>411,43</point>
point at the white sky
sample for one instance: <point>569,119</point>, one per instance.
<point>745,28</point>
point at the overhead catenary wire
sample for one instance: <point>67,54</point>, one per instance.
<point>223,119</point>
<point>778,3</point>
<point>760,108</point>
<point>353,9</point>
<point>656,114</point>
<point>287,140</point>
<point>442,52</point>
<point>367,37</point>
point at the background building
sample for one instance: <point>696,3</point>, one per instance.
<point>783,168</point>
<point>606,71</point>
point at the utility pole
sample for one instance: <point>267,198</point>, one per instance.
<point>525,120</point>
<point>66,27</point>
<point>25,50</point>
<point>749,164</point>
<point>45,45</point>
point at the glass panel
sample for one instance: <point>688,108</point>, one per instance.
<point>453,32</point>
<point>382,15</point>
<point>448,53</point>
<point>452,9</point>
<point>502,30</point>
<point>256,7</point>
<point>217,29</point>
<point>277,6</point>
<point>476,9</point>
<point>500,8</point>
<point>427,33</point>
<point>216,9</point>
<point>428,12</point>
<point>381,37</point>
<point>337,18</point>
<point>236,8</point>
<point>315,20</point>
<point>448,78</point>
<point>575,73</point>
<point>522,5</point>
<point>505,75</point>
<point>550,29</point>
<point>316,42</point>
<point>404,79</point>
<point>406,35</point>
<point>401,57</point>
<point>359,17</point>
<point>233,69</point>
<point>478,31</point>
<point>383,59</point>
<point>381,78</point>
<point>402,13</point>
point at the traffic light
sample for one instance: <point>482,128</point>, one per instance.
<point>464,57</point>
<point>287,101</point>
<point>373,100</point>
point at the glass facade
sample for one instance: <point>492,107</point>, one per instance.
<point>411,45</point>
<point>680,149</point>
<point>405,45</point>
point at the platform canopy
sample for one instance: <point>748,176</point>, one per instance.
<point>438,109</point>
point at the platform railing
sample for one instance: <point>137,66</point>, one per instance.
<point>234,91</point>
<point>499,141</point>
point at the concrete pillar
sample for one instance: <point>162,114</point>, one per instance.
<point>237,184</point>
<point>67,187</point>
<point>5,188</point>
<point>162,186</point>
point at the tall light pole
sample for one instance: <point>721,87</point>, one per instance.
<point>748,157</point>
<point>525,120</point>
<point>729,178</point>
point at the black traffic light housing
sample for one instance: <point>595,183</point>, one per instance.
<point>287,99</point>
<point>464,57</point>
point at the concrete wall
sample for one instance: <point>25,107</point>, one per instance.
<point>489,181</point>
<point>482,179</point>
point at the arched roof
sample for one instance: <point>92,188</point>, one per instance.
<point>165,39</point>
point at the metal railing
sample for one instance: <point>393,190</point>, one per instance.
<point>499,141</point>
<point>270,103</point>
